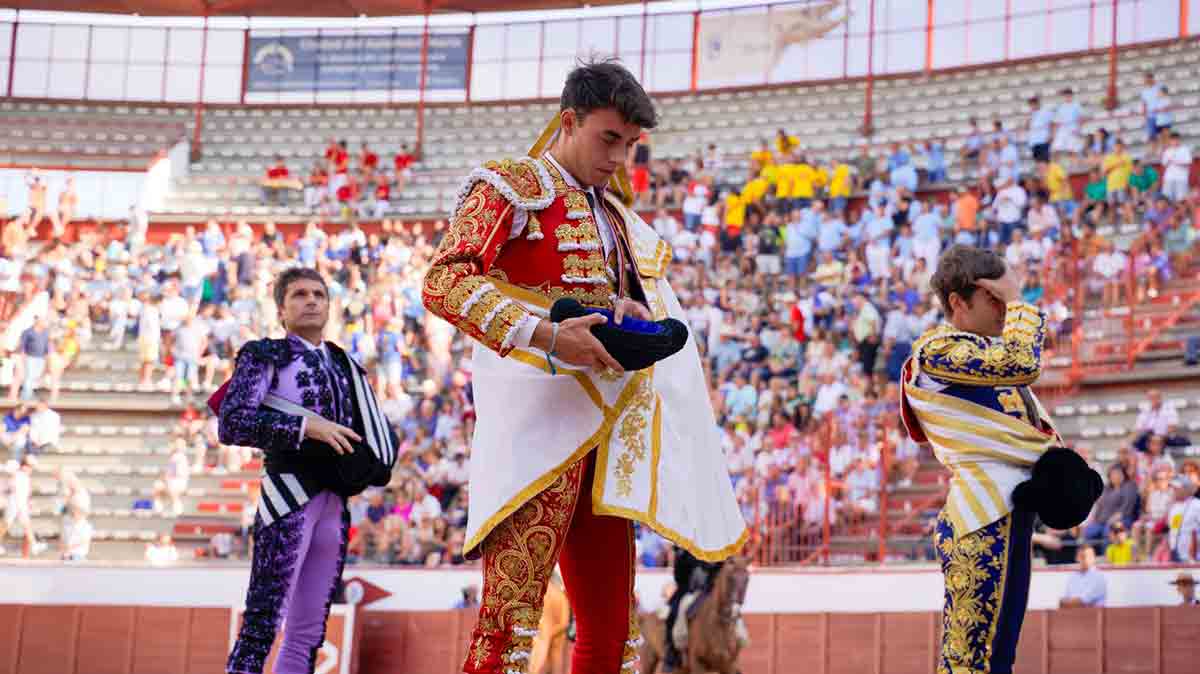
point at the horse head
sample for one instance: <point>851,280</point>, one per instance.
<point>731,586</point>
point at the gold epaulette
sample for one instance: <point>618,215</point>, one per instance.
<point>524,182</point>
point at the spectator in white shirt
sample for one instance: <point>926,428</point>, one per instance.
<point>17,511</point>
<point>1068,118</point>
<point>424,505</point>
<point>149,338</point>
<point>1040,122</point>
<point>1149,104</point>
<point>1108,270</point>
<point>1010,204</point>
<point>666,225</point>
<point>1177,164</point>
<point>173,483</point>
<point>1185,537</point>
<point>695,201</point>
<point>1086,587</point>
<point>120,310</point>
<point>45,428</point>
<point>77,534</point>
<point>1042,216</point>
<point>162,552</point>
<point>1160,418</point>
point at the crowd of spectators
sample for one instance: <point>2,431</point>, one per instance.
<point>804,300</point>
<point>341,183</point>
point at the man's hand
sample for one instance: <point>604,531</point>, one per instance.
<point>335,435</point>
<point>1006,288</point>
<point>576,345</point>
<point>626,306</point>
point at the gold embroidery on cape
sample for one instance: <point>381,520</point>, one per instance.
<point>970,614</point>
<point>632,431</point>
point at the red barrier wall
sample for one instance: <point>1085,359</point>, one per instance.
<point>150,640</point>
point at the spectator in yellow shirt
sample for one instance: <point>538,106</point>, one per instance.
<point>1062,195</point>
<point>820,179</point>
<point>735,211</point>
<point>763,155</point>
<point>1120,546</point>
<point>783,175</point>
<point>1117,168</point>
<point>803,188</point>
<point>785,143</point>
<point>755,190</point>
<point>839,187</point>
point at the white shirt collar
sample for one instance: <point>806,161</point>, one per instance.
<point>309,345</point>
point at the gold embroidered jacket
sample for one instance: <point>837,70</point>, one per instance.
<point>479,273</point>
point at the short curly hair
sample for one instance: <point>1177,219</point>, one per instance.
<point>958,269</point>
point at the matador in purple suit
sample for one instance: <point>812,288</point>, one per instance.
<point>307,406</point>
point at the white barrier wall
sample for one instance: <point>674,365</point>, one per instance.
<point>770,591</point>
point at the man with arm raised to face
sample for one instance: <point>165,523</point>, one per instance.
<point>569,449</point>
<point>966,392</point>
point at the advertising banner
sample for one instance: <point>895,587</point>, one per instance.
<point>376,61</point>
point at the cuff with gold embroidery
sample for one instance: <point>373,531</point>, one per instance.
<point>476,307</point>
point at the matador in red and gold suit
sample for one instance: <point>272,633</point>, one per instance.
<point>565,459</point>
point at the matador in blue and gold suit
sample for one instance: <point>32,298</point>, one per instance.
<point>968,396</point>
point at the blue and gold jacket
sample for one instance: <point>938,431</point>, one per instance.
<point>968,396</point>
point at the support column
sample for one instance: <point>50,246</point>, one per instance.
<point>420,149</point>
<point>695,50</point>
<point>196,142</point>
<point>867,125</point>
<point>12,52</point>
<point>1111,102</point>
<point>245,63</point>
<point>645,19</point>
<point>470,60</point>
<point>929,9</point>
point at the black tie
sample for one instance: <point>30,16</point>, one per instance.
<point>591,199</point>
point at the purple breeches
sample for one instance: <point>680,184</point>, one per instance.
<point>297,564</point>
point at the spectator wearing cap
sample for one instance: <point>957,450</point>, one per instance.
<point>1087,586</point>
<point>1185,585</point>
